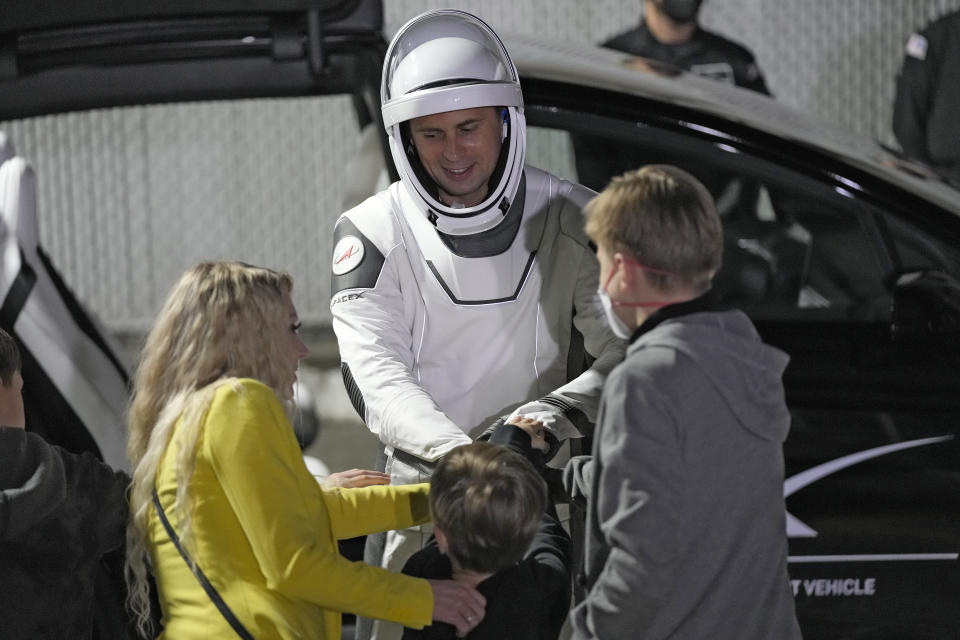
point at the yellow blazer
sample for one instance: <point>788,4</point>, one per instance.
<point>265,533</point>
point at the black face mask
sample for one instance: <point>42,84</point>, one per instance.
<point>681,10</point>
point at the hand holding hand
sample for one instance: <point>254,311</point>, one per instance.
<point>457,603</point>
<point>355,478</point>
<point>534,429</point>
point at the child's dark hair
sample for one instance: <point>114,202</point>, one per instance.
<point>489,501</point>
<point>9,358</point>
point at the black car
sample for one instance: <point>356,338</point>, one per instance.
<point>845,255</point>
<point>847,258</point>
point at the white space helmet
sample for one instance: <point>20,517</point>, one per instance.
<point>447,60</point>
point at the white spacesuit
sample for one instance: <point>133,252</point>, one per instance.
<point>449,317</point>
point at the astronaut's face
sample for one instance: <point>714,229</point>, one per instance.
<point>459,149</point>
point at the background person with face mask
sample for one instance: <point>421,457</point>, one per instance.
<point>928,92</point>
<point>669,33</point>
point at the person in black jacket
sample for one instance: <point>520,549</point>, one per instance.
<point>669,33</point>
<point>668,39</point>
<point>927,102</point>
<point>60,514</point>
<point>495,528</point>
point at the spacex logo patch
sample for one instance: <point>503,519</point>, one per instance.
<point>347,255</point>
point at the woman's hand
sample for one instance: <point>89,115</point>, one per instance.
<point>534,429</point>
<point>457,603</point>
<point>355,478</point>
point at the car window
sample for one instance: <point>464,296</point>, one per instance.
<point>551,149</point>
<point>795,249</point>
<point>916,250</point>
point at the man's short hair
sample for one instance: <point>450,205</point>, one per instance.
<point>9,358</point>
<point>489,501</point>
<point>666,219</point>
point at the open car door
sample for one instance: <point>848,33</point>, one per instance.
<point>75,385</point>
<point>60,56</point>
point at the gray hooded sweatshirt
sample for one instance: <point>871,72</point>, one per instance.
<point>685,518</point>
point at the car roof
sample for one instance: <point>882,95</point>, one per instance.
<point>606,69</point>
<point>90,54</point>
<point>58,56</point>
<point>20,16</point>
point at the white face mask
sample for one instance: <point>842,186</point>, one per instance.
<point>618,326</point>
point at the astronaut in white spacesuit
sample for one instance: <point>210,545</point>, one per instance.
<point>467,291</point>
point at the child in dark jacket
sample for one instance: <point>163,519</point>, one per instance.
<point>495,527</point>
<point>60,513</point>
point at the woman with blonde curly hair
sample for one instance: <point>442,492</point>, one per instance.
<point>240,537</point>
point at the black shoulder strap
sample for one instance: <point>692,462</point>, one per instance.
<point>217,600</point>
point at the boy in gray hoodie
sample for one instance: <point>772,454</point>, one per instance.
<point>685,523</point>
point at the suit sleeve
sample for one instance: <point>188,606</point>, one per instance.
<point>375,341</point>
<point>289,522</point>
<point>602,347</point>
<point>639,488</point>
<point>358,512</point>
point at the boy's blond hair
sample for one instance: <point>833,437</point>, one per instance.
<point>665,219</point>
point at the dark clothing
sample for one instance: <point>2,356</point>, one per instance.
<point>685,533</point>
<point>60,512</point>
<point>927,104</point>
<point>705,303</point>
<point>528,600</point>
<point>705,53</point>
<point>600,157</point>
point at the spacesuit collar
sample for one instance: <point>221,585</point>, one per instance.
<point>492,241</point>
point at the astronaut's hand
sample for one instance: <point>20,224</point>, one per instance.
<point>549,416</point>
